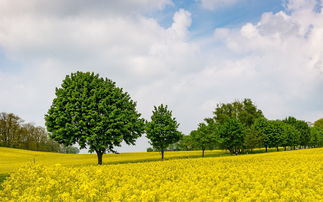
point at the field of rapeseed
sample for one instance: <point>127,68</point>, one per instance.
<point>279,176</point>
<point>12,159</point>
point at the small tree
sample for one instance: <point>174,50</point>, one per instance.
<point>162,129</point>
<point>92,111</point>
<point>205,136</point>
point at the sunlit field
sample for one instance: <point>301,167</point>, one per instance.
<point>277,176</point>
<point>12,159</point>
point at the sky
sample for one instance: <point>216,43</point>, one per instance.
<point>189,55</point>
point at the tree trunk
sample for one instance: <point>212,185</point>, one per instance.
<point>294,147</point>
<point>203,152</point>
<point>100,155</point>
<point>266,148</point>
<point>162,153</point>
<point>285,148</point>
<point>277,149</point>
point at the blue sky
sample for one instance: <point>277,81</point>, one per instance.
<point>189,55</point>
<point>205,21</point>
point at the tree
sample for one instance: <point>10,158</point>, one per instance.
<point>276,133</point>
<point>93,112</point>
<point>319,123</point>
<point>162,129</point>
<point>71,150</point>
<point>316,137</point>
<point>185,143</point>
<point>263,128</point>
<point>149,149</point>
<point>10,126</point>
<point>246,112</point>
<point>232,133</point>
<point>253,139</point>
<point>291,136</point>
<point>303,128</point>
<point>205,136</point>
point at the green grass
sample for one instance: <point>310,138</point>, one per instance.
<point>3,177</point>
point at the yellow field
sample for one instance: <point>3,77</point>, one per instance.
<point>12,159</point>
<point>278,176</point>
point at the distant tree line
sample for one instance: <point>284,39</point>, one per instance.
<point>240,127</point>
<point>17,134</point>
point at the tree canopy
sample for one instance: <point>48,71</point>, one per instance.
<point>93,112</point>
<point>245,111</point>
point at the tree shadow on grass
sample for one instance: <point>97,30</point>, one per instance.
<point>3,177</point>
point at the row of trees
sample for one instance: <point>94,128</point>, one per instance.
<point>240,126</point>
<point>95,113</point>
<point>17,134</point>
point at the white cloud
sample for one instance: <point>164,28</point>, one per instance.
<point>277,62</point>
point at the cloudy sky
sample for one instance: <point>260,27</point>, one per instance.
<point>189,55</point>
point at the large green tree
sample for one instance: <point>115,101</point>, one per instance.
<point>162,130</point>
<point>93,112</point>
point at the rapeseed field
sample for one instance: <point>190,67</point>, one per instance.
<point>278,176</point>
<point>12,159</point>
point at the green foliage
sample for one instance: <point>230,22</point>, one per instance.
<point>263,128</point>
<point>3,177</point>
<point>232,133</point>
<point>276,133</point>
<point>319,123</point>
<point>149,149</point>
<point>205,136</point>
<point>302,127</point>
<point>186,143</point>
<point>71,150</point>
<point>316,137</point>
<point>291,136</point>
<point>272,132</point>
<point>162,129</point>
<point>94,113</point>
<point>246,112</point>
<point>253,139</point>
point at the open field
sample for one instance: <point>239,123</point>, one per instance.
<point>277,176</point>
<point>12,159</point>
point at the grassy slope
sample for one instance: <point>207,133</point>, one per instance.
<point>11,159</point>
